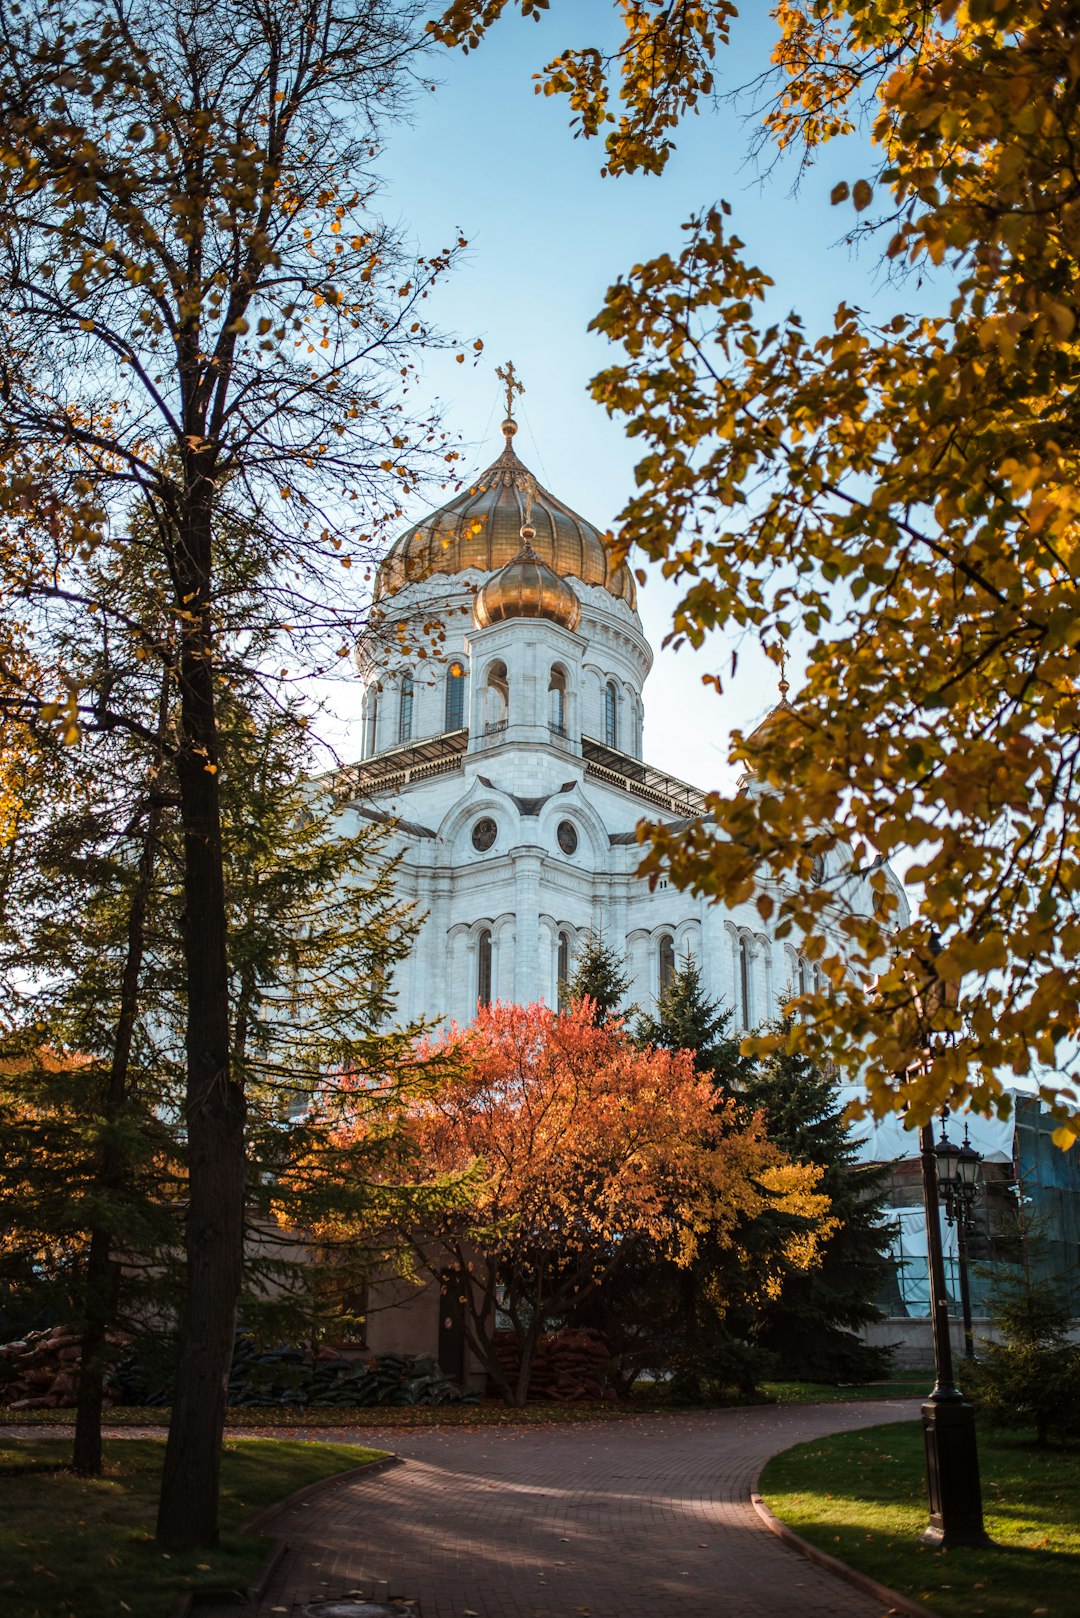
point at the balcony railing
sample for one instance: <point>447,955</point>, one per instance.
<point>631,775</point>
<point>401,766</point>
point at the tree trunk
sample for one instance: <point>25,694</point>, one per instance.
<point>102,1282</point>
<point>188,1508</point>
<point>99,1311</point>
<point>527,1354</point>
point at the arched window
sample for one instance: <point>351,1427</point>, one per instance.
<point>455,697</point>
<point>497,698</point>
<point>405,709</point>
<point>804,975</point>
<point>483,968</point>
<point>745,982</point>
<point>666,961</point>
<point>562,971</point>
<point>611,714</point>
<point>557,701</point>
<point>371,740</point>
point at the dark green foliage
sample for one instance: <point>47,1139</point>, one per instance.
<point>723,1326</point>
<point>1031,1378</point>
<point>600,975</point>
<point>79,1152</point>
<point>314,934</point>
<point>687,1020</point>
<point>294,1376</point>
<point>810,1328</point>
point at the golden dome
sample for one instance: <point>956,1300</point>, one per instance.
<point>481,528</point>
<point>526,588</point>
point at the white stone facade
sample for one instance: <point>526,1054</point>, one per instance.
<point>525,738</point>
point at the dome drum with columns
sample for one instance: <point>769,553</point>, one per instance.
<point>509,760</point>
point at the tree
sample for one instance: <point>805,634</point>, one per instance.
<point>1030,1376</point>
<point>809,1326</point>
<point>203,311</point>
<point>803,1323</point>
<point>588,1158</point>
<point>315,931</point>
<point>92,1163</point>
<point>89,1167</point>
<point>687,1020</point>
<point>899,495</point>
<point>600,976</point>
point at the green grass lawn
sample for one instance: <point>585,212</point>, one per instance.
<point>862,1497</point>
<point>897,1387</point>
<point>83,1547</point>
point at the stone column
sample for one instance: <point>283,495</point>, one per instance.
<point>529,979</point>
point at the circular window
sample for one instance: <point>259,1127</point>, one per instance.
<point>567,836</point>
<point>484,834</point>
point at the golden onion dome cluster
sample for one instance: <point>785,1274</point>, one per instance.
<point>482,528</point>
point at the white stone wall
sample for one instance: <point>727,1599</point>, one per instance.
<point>526,890</point>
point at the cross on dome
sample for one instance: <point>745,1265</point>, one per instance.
<point>509,378</point>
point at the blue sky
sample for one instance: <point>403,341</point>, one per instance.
<point>487,157</point>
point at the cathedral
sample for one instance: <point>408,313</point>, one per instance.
<point>503,711</point>
<point>504,677</point>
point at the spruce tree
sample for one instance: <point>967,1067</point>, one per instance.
<point>687,1020</point>
<point>1030,1376</point>
<point>600,974</point>
<point>93,1169</point>
<point>810,1328</point>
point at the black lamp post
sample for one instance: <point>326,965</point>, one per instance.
<point>958,1177</point>
<point>952,1457</point>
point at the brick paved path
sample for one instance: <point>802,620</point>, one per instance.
<point>649,1516</point>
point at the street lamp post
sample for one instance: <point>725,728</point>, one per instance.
<point>958,1176</point>
<point>952,1459</point>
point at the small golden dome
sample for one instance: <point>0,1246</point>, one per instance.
<point>481,529</point>
<point>526,588</point>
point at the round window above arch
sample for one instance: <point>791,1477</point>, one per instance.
<point>484,834</point>
<point>567,837</point>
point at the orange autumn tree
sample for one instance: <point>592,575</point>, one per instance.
<point>587,1154</point>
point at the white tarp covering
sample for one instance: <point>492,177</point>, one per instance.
<point>908,1251</point>
<point>886,1139</point>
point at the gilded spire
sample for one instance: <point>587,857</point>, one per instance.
<point>509,378</point>
<point>784,687</point>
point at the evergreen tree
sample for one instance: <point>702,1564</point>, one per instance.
<point>600,974</point>
<point>687,1020</point>
<point>1031,1377</point>
<point>698,1322</point>
<point>89,1089</point>
<point>93,1149</point>
<point>803,1322</point>
<point>810,1327</point>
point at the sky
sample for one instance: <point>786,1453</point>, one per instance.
<point>489,159</point>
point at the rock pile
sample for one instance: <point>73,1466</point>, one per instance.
<point>569,1367</point>
<point>40,1371</point>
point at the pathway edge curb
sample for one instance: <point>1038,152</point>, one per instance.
<point>332,1481</point>
<point>832,1564</point>
<point>188,1602</point>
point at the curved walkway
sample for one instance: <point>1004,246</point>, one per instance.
<point>644,1518</point>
